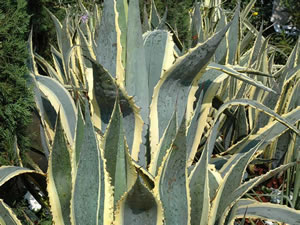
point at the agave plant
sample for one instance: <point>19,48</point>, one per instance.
<point>132,157</point>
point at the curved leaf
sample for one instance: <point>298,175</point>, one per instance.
<point>7,216</point>
<point>209,85</point>
<point>269,132</point>
<point>258,106</point>
<point>61,100</point>
<point>239,76</point>
<point>268,211</point>
<point>171,92</point>
<point>9,172</point>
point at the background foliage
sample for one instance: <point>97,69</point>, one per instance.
<point>15,97</point>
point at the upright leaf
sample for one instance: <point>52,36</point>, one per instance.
<point>165,143</point>
<point>154,16</point>
<point>197,30</point>
<point>160,55</point>
<point>86,195</point>
<point>234,34</point>
<point>122,8</point>
<point>118,162</point>
<point>59,177</point>
<point>106,90</point>
<point>199,183</point>
<point>172,181</point>
<point>136,78</point>
<point>108,48</point>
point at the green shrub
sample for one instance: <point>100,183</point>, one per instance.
<point>15,97</point>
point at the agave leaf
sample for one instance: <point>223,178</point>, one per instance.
<point>234,195</point>
<point>241,124</point>
<point>199,183</point>
<point>209,84</point>
<point>163,20</point>
<point>58,28</point>
<point>66,45</point>
<point>154,16</point>
<point>59,65</point>
<point>221,51</point>
<point>256,48</point>
<point>270,132</point>
<point>160,55</point>
<point>232,172</point>
<point>284,146</point>
<point>172,181</point>
<point>79,137</point>
<point>297,180</point>
<point>7,216</point>
<point>146,177</point>
<point>174,86</point>
<point>286,89</point>
<point>239,76</point>
<point>9,172</point>
<point>234,35</point>
<point>242,189</point>
<point>106,90</point>
<point>108,48</point>
<point>260,107</point>
<point>122,9</point>
<point>294,100</point>
<point>60,99</point>
<point>268,211</point>
<point>192,130</point>
<point>73,74</point>
<point>31,64</point>
<point>63,39</point>
<point>50,70</point>
<point>196,26</point>
<point>42,114</point>
<point>59,180</point>
<point>136,78</point>
<point>293,59</point>
<point>215,180</point>
<point>247,9</point>
<point>262,62</point>
<point>85,41</point>
<point>164,145</point>
<point>242,69</point>
<point>139,206</point>
<point>247,41</point>
<point>88,198</point>
<point>82,7</point>
<point>118,165</point>
<point>146,23</point>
